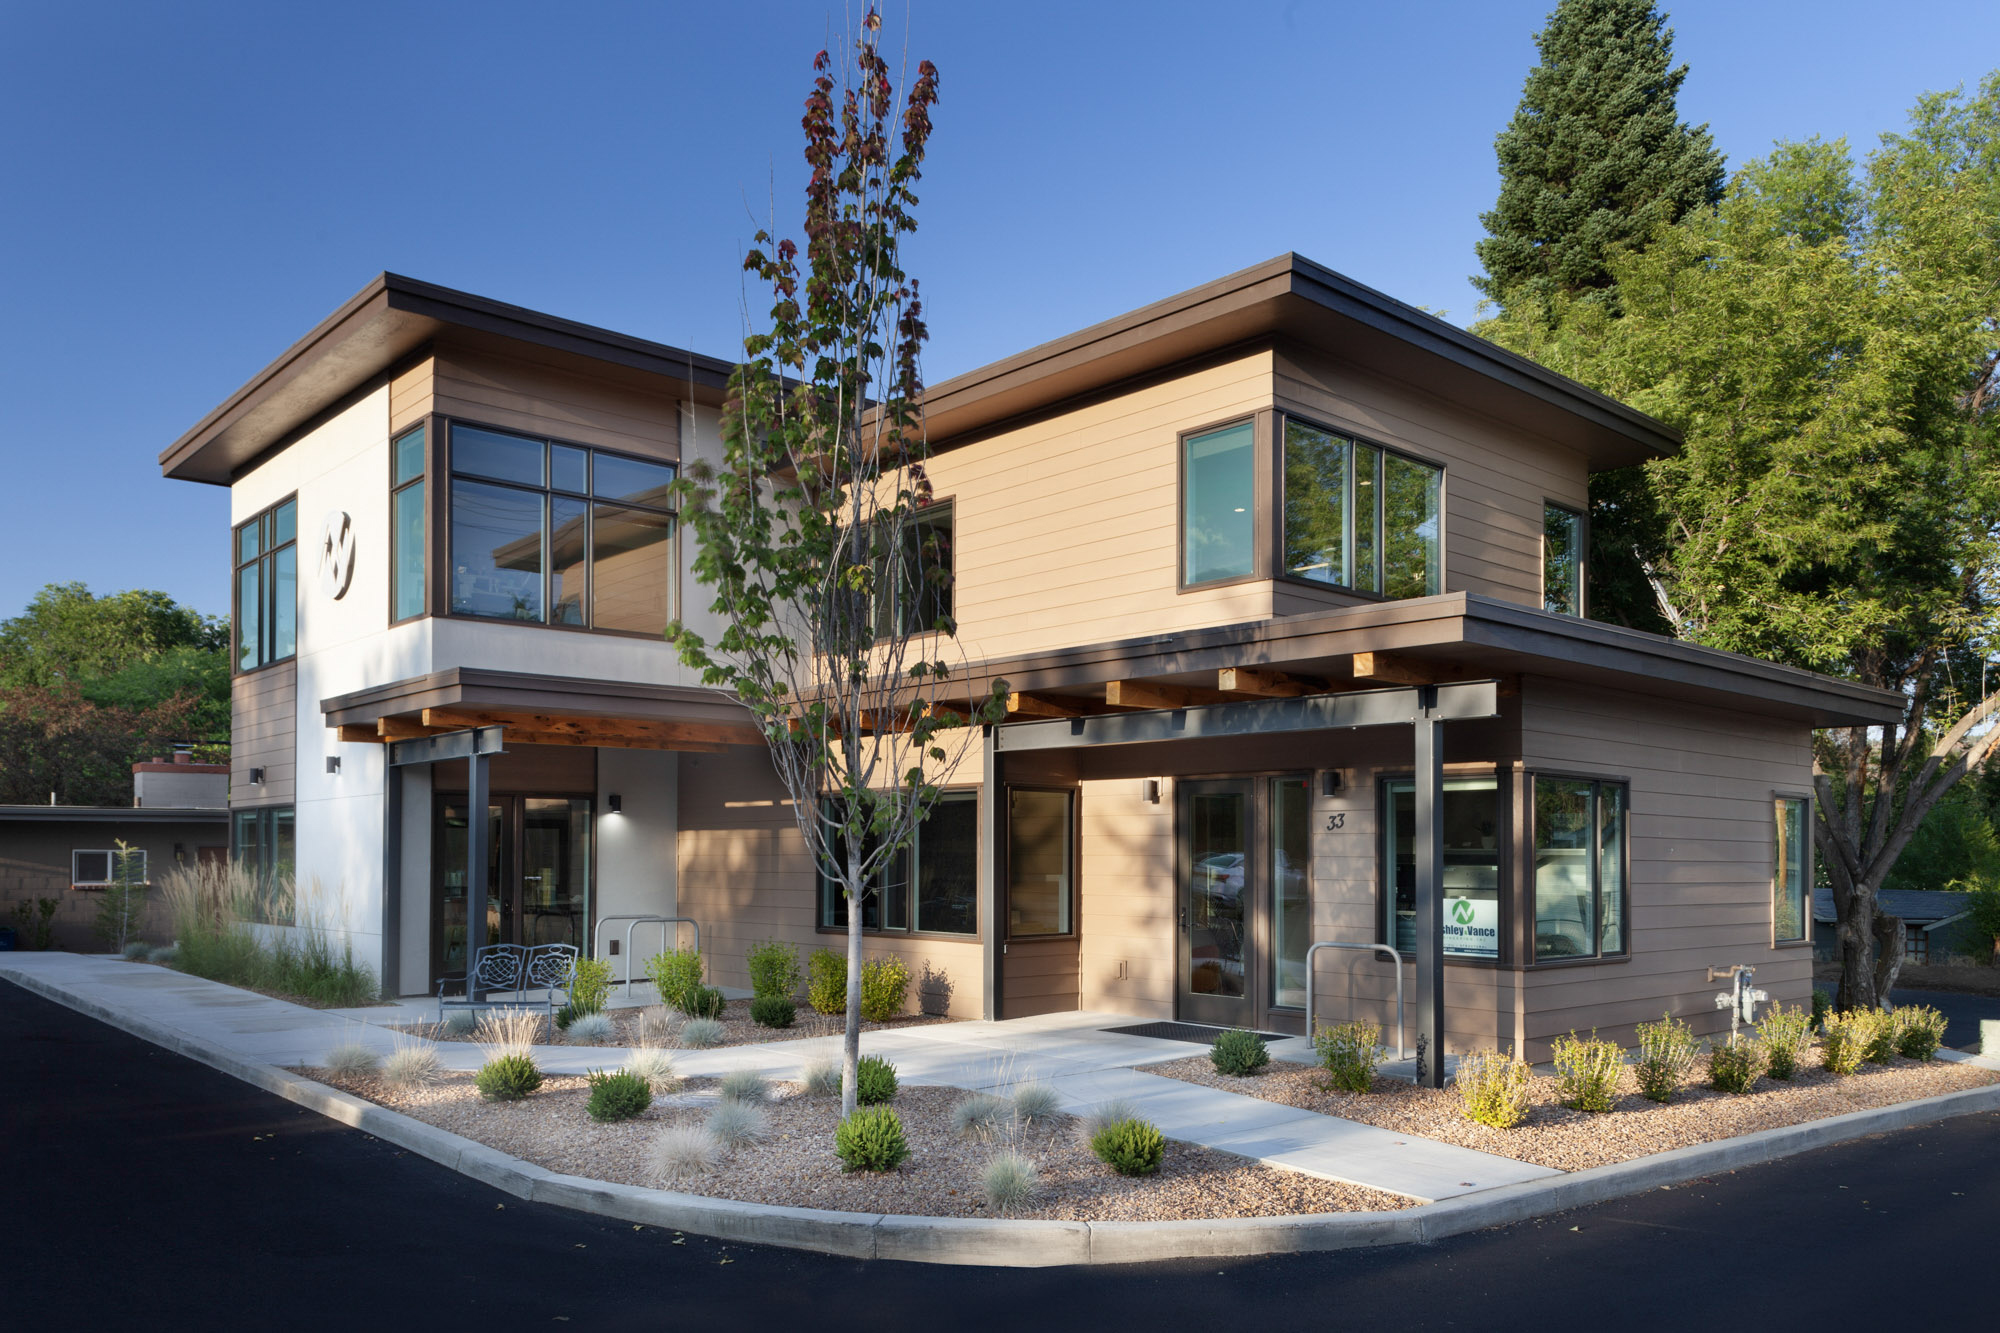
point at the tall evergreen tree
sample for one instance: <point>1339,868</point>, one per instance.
<point>1596,158</point>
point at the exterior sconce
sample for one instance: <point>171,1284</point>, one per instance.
<point>1152,791</point>
<point>256,777</point>
<point>1331,783</point>
<point>616,803</point>
<point>333,763</point>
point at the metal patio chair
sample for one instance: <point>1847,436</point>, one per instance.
<point>500,969</point>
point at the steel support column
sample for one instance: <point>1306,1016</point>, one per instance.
<point>1429,784</point>
<point>992,822</point>
<point>476,833</point>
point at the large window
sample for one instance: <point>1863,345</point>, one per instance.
<point>1041,831</point>
<point>1360,517</point>
<point>261,845</point>
<point>1579,875</point>
<point>1471,815</point>
<point>931,887</point>
<point>406,525</point>
<point>1219,489</point>
<point>102,869</point>
<point>267,587</point>
<point>1562,560</point>
<point>1791,880</point>
<point>557,534</point>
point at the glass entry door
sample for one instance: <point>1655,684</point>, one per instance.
<point>537,875</point>
<point>1220,880</point>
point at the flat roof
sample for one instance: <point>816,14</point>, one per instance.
<point>114,814</point>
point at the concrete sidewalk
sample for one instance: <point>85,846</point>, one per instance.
<point>1071,1052</point>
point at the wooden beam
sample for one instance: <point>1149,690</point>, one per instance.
<point>1044,705</point>
<point>402,728</point>
<point>1151,694</point>
<point>359,732</point>
<point>1394,670</point>
<point>1266,684</point>
<point>584,729</point>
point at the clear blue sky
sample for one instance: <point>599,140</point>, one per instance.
<point>190,187</point>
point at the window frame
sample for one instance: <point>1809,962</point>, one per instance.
<point>443,465</point>
<point>1582,517</point>
<point>1807,869</point>
<point>428,424</point>
<point>1280,573</point>
<point>822,908</point>
<point>1531,911</point>
<point>265,818</point>
<point>1073,796</point>
<point>265,562</point>
<point>1506,788</point>
<point>110,855</point>
<point>1260,488</point>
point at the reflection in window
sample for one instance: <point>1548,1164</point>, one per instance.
<point>406,527</point>
<point>1562,560</point>
<point>1291,861</point>
<point>1218,526</point>
<point>1039,861</point>
<point>262,847</point>
<point>496,551</point>
<point>267,587</point>
<point>1579,873</point>
<point>1471,871</point>
<point>1792,873</point>
<point>1360,517</point>
<point>931,886</point>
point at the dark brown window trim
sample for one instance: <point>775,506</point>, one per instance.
<point>1507,787</point>
<point>427,423</point>
<point>1276,498</point>
<point>1582,556</point>
<point>236,567</point>
<point>1259,422</point>
<point>1528,777</point>
<point>877,932</point>
<point>1075,794</point>
<point>1811,868</point>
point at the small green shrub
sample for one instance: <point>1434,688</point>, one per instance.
<point>566,1015</point>
<point>1733,1066</point>
<point>1129,1147</point>
<point>1103,1114</point>
<point>1880,1047</point>
<point>1784,1034</point>
<point>1822,1005</point>
<point>135,951</point>
<point>744,1085</point>
<point>676,975</point>
<point>774,969</point>
<point>590,985</point>
<point>508,1077</point>
<point>164,954</point>
<point>871,1140</point>
<point>874,1081</point>
<point>702,1002</point>
<point>1493,1087</point>
<point>826,981</point>
<point>1009,1182</point>
<point>1587,1072</point>
<point>773,1011</point>
<point>1349,1052</point>
<point>617,1096</point>
<point>1667,1052</point>
<point>1844,1044</point>
<point>1919,1031</point>
<point>1237,1053</point>
<point>885,984</point>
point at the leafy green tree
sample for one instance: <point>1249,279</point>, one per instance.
<point>67,634</point>
<point>1828,342</point>
<point>828,582</point>
<point>1596,158</point>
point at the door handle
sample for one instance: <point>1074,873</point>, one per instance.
<point>1184,919</point>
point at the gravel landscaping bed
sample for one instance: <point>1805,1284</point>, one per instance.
<point>796,1166</point>
<point>1555,1136</point>
<point>737,1029</point>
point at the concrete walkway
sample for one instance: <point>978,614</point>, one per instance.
<point>1071,1052</point>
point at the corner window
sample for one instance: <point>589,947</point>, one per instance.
<point>1218,519</point>
<point>261,848</point>
<point>1041,832</point>
<point>930,887</point>
<point>914,596</point>
<point>102,869</point>
<point>406,525</point>
<point>1361,517</point>
<point>556,534</point>
<point>1562,560</point>
<point>1471,814</point>
<point>1579,872</point>
<point>1791,879</point>
<point>267,587</point>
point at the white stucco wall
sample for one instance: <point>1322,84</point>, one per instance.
<point>635,848</point>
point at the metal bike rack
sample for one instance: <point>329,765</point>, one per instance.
<point>1312,1015</point>
<point>637,920</point>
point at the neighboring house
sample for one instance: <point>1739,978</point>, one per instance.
<point>1937,925</point>
<point>1281,492</point>
<point>179,816</point>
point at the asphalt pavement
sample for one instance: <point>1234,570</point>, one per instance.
<point>144,1190</point>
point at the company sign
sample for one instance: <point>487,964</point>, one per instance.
<point>1472,927</point>
<point>336,555</point>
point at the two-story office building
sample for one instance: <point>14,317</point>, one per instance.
<point>1192,540</point>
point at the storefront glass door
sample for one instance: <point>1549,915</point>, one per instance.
<point>537,875</point>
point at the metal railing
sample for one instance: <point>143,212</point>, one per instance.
<point>1312,1015</point>
<point>636,920</point>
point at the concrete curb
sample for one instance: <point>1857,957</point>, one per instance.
<point>1029,1244</point>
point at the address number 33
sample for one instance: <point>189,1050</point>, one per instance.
<point>1336,820</point>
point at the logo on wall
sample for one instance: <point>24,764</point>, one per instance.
<point>336,555</point>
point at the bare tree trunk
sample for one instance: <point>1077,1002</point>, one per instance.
<point>850,1050</point>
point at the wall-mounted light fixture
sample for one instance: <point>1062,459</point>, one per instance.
<point>333,763</point>
<point>616,803</point>
<point>256,777</point>
<point>1152,790</point>
<point>1331,783</point>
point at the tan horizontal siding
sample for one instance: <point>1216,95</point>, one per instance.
<point>410,394</point>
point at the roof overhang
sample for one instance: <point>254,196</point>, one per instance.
<point>113,814</point>
<point>383,325</point>
<point>1290,298</point>
<point>487,697</point>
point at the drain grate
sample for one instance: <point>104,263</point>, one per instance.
<point>1198,1033</point>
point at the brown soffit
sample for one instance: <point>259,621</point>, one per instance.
<point>522,692</point>
<point>1292,298</point>
<point>388,321</point>
<point>1473,633</point>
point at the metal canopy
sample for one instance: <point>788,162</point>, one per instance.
<point>470,743</point>
<point>476,745</point>
<point>1422,709</point>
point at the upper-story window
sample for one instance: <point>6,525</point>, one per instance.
<point>1360,517</point>
<point>1219,498</point>
<point>557,534</point>
<point>1562,560</point>
<point>267,586</point>
<point>406,525</point>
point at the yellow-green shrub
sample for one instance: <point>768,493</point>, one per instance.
<point>1494,1088</point>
